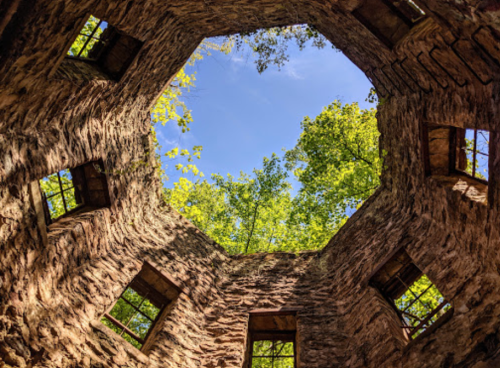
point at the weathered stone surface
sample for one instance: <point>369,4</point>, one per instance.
<point>54,291</point>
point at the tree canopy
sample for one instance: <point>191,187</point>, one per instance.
<point>337,163</point>
<point>270,46</point>
<point>337,157</point>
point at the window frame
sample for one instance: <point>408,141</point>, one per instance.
<point>82,195</point>
<point>101,42</point>
<point>412,330</point>
<point>256,333</point>
<point>48,217</point>
<point>457,152</point>
<point>413,273</point>
<point>461,147</point>
<point>285,336</point>
<point>168,292</point>
<point>124,327</point>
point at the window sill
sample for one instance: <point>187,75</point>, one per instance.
<point>474,189</point>
<point>78,209</point>
<point>431,330</point>
<point>76,69</point>
<point>107,336</point>
<point>63,222</point>
<point>416,29</point>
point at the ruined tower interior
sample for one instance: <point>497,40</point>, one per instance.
<point>435,65</point>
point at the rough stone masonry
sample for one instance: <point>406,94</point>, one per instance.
<point>58,113</point>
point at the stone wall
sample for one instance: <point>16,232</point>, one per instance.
<point>53,291</point>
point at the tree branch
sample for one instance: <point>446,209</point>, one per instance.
<point>357,157</point>
<point>253,225</point>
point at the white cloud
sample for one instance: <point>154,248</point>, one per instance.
<point>164,141</point>
<point>238,60</point>
<point>297,68</point>
<point>291,71</point>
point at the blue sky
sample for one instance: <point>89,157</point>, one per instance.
<point>482,149</point>
<point>240,116</point>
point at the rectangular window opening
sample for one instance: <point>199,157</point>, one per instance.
<point>58,191</point>
<point>99,52</point>
<point>449,150</point>
<point>414,297</point>
<point>389,20</point>
<point>272,339</point>
<point>140,306</point>
<point>71,190</point>
<point>133,316</point>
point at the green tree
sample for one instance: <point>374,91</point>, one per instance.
<point>246,214</point>
<point>337,159</point>
<point>253,213</point>
<point>252,198</point>
<point>205,205</point>
<point>311,223</point>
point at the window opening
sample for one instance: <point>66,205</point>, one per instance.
<point>69,190</point>
<point>474,155</point>
<point>133,316</point>
<point>90,38</point>
<point>416,299</point>
<point>99,52</point>
<point>272,339</point>
<point>421,305</point>
<point>140,307</point>
<point>409,9</point>
<point>389,20</point>
<point>450,150</point>
<point>273,354</point>
<point>58,191</point>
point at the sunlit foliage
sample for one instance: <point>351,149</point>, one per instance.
<point>337,158</point>
<point>205,206</point>
<point>338,164</point>
<point>272,354</point>
<point>245,214</point>
<point>88,38</point>
<point>421,298</point>
<point>55,190</point>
